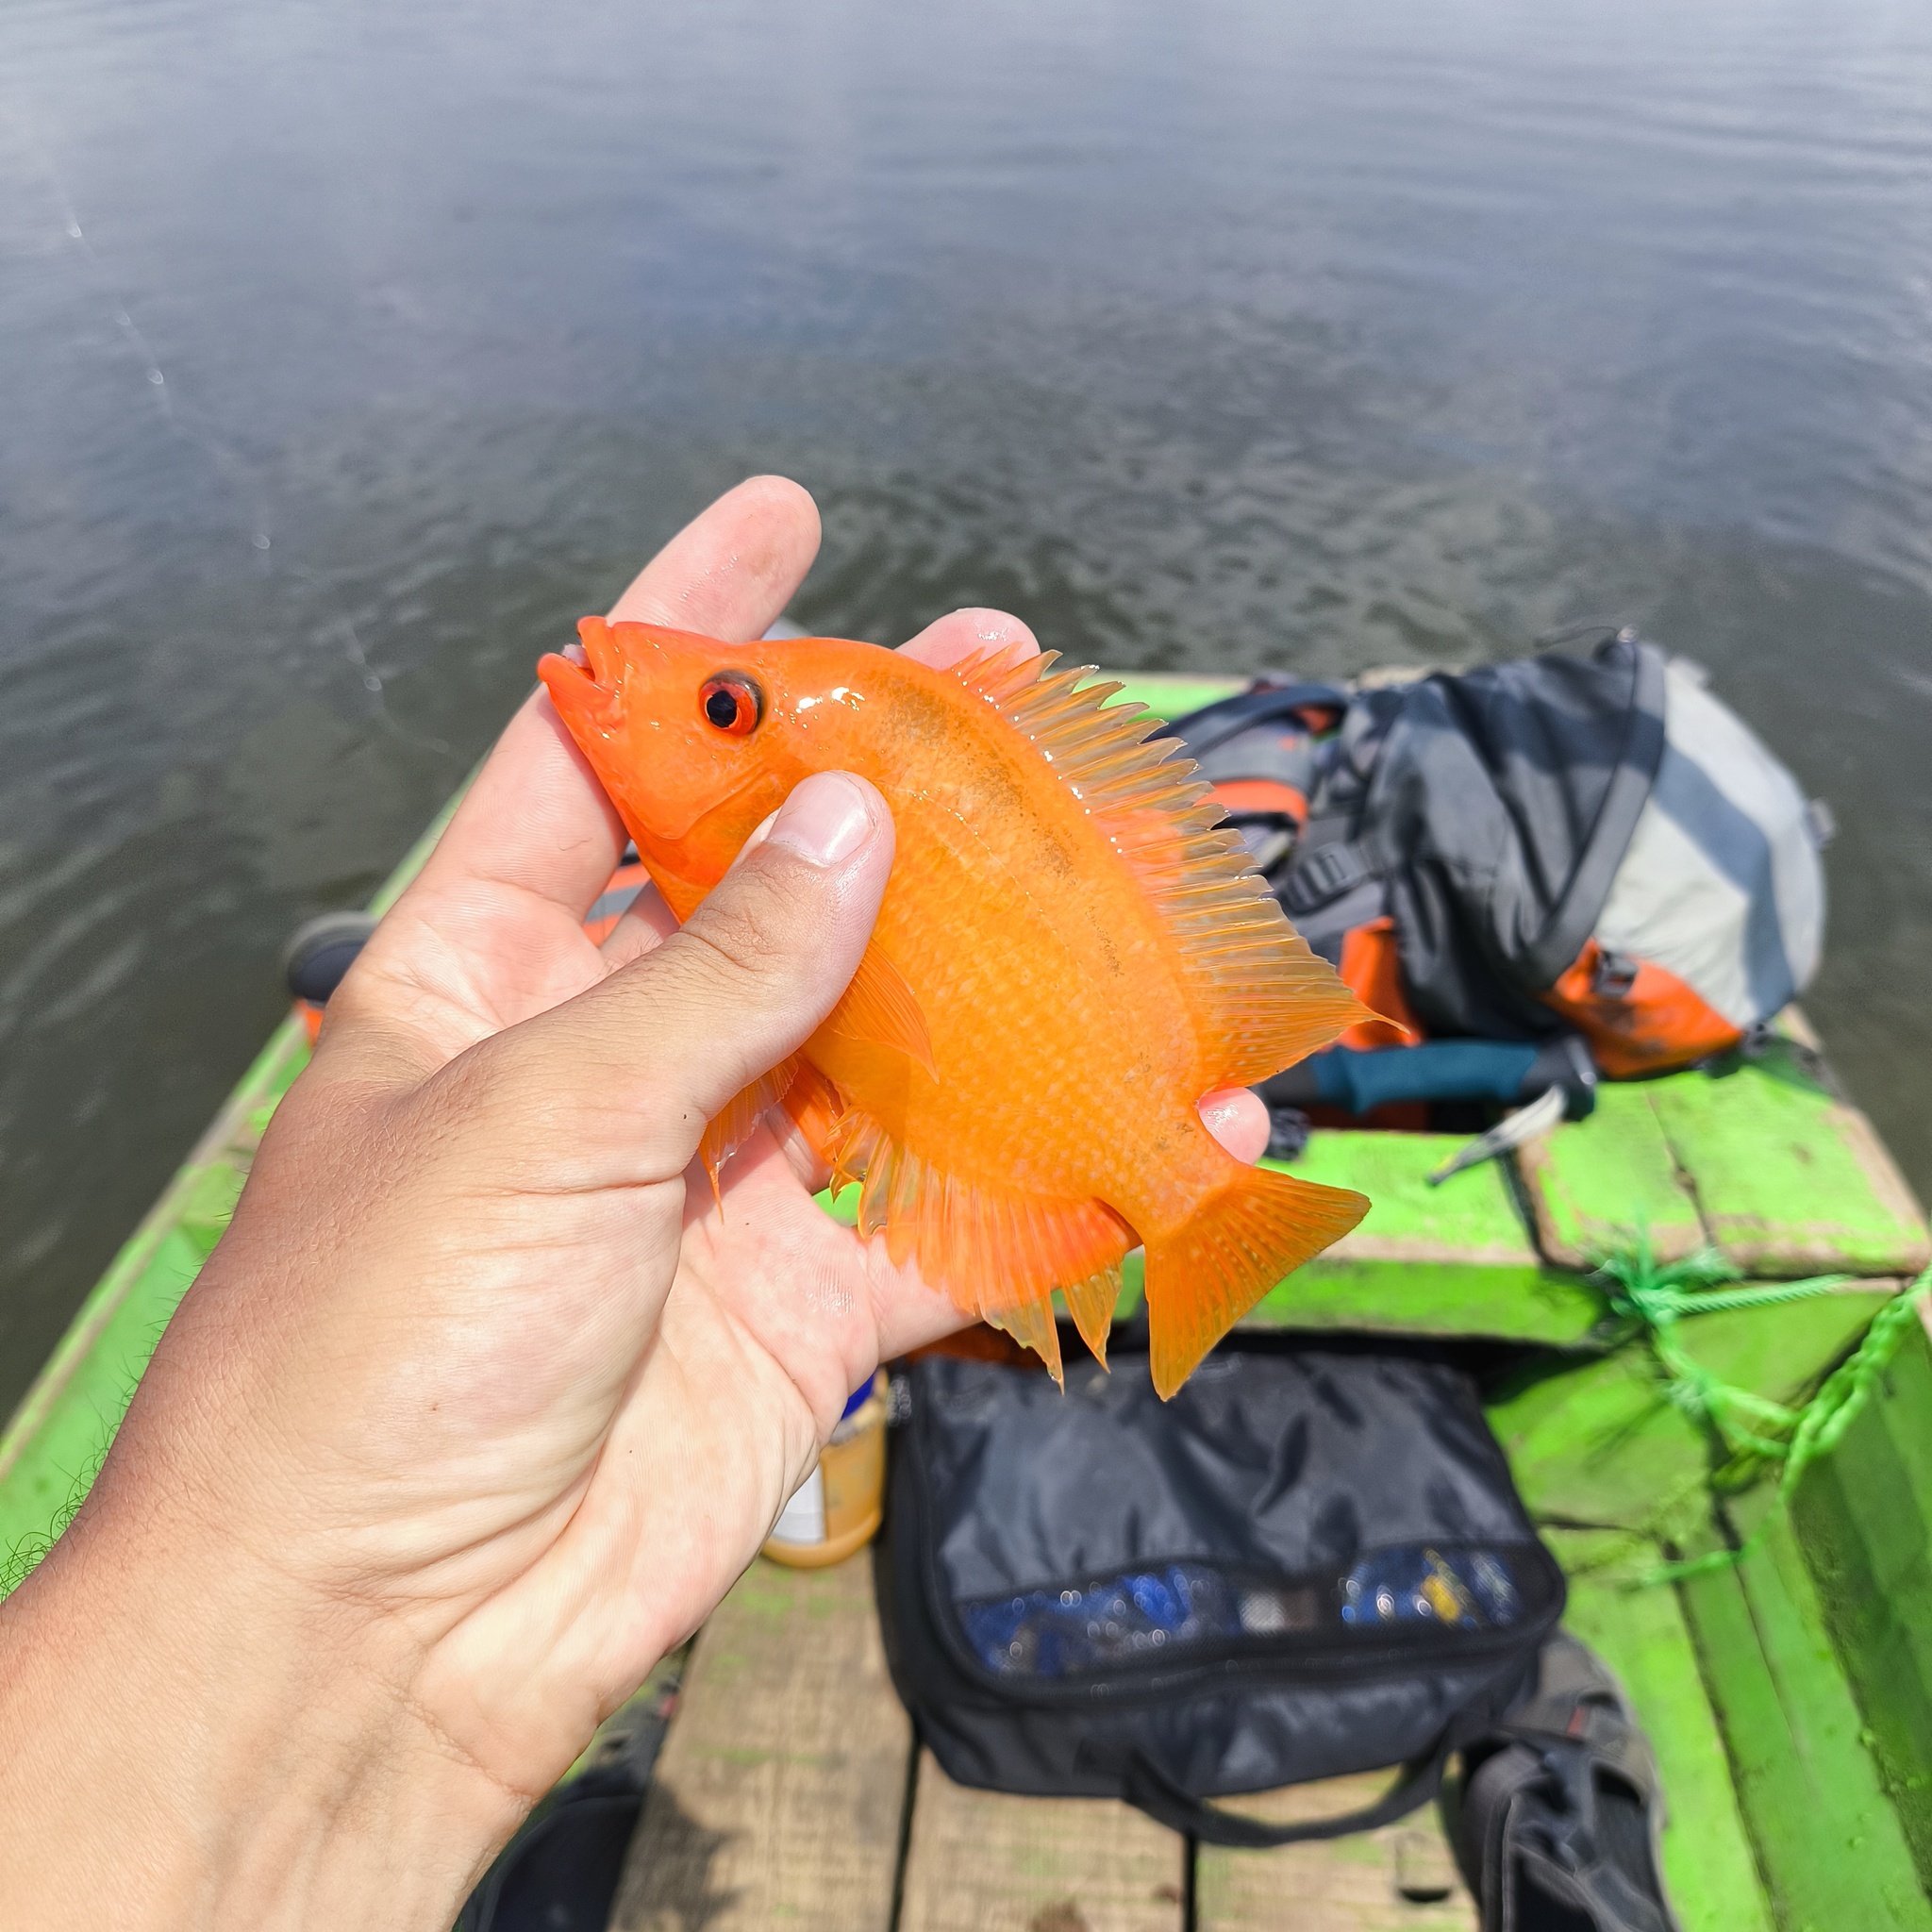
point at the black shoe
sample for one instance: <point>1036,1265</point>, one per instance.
<point>1557,1814</point>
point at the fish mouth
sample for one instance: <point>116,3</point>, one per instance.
<point>596,653</point>
<point>586,671</point>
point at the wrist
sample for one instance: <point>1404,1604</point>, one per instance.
<point>189,1739</point>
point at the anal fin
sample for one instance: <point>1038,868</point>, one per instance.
<point>1092,1304</point>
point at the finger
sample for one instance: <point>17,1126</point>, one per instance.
<point>535,819</point>
<point>731,574</point>
<point>645,925</point>
<point>966,634</point>
<point>535,838</point>
<point>535,823</point>
<point>654,1051</point>
<point>1238,1118</point>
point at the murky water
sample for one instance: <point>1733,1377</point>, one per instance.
<point>348,353</point>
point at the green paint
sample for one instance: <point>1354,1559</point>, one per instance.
<point>1172,696</point>
<point>1599,1446</point>
<point>1782,1352</point>
<point>1448,1261</point>
<point>1640,1633</point>
<point>1791,1181</point>
<point>1400,1297</point>
<point>1602,1184</point>
<point>1831,1849</point>
<point>1861,1514</point>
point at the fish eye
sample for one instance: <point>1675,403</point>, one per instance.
<point>733,702</point>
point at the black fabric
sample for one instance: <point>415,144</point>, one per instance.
<point>1308,1562</point>
<point>565,1872</point>
<point>1486,812</point>
<point>1556,1815</point>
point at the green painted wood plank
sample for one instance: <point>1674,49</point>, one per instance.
<point>1640,1633</point>
<point>1863,1516</point>
<point>1791,1181</point>
<point>1832,1850</point>
<point>1600,1185</point>
<point>54,1444</point>
<point>1600,1443</point>
<point>1784,1351</point>
<point>1455,1260</point>
<point>1169,694</point>
<point>1599,1446</point>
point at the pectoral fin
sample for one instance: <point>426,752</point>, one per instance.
<point>881,1009</point>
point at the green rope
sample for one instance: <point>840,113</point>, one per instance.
<point>1655,1297</point>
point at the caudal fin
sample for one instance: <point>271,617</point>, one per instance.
<point>1203,1277</point>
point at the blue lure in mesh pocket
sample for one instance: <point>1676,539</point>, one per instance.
<point>1165,1612</point>
<point>1057,1633</point>
<point>1465,1589</point>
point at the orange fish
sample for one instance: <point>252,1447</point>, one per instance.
<point>1070,954</point>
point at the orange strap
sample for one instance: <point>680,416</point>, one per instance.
<point>1237,795</point>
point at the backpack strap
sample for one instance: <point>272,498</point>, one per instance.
<point>1156,1793</point>
<point>1325,875</point>
<point>1268,703</point>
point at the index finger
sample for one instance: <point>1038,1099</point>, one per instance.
<point>536,826</point>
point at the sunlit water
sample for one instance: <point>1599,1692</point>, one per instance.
<point>348,353</point>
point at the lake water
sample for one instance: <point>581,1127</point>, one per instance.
<point>349,353</point>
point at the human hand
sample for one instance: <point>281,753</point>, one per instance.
<point>484,1399</point>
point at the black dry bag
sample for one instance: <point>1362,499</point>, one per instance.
<point>1310,1563</point>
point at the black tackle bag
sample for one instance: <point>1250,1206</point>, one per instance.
<point>1311,1561</point>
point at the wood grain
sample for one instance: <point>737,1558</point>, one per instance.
<point>979,1861</point>
<point>778,1794</point>
<point>1340,1885</point>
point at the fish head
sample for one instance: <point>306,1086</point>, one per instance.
<point>696,742</point>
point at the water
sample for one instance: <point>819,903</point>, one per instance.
<point>350,352</point>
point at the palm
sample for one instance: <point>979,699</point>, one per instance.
<point>624,1382</point>
<point>665,1361</point>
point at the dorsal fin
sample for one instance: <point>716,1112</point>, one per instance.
<point>1262,1000</point>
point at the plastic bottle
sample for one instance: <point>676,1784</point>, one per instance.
<point>837,1509</point>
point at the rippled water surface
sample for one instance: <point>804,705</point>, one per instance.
<point>348,353</point>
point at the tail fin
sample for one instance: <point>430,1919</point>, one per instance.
<point>1206,1274</point>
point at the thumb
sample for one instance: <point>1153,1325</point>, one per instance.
<point>665,1042</point>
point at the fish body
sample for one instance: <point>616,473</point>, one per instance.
<point>1068,955</point>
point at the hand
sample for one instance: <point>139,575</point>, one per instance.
<point>485,1400</point>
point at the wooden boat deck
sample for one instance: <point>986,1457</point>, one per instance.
<point>789,1793</point>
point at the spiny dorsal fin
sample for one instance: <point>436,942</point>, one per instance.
<point>1262,999</point>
